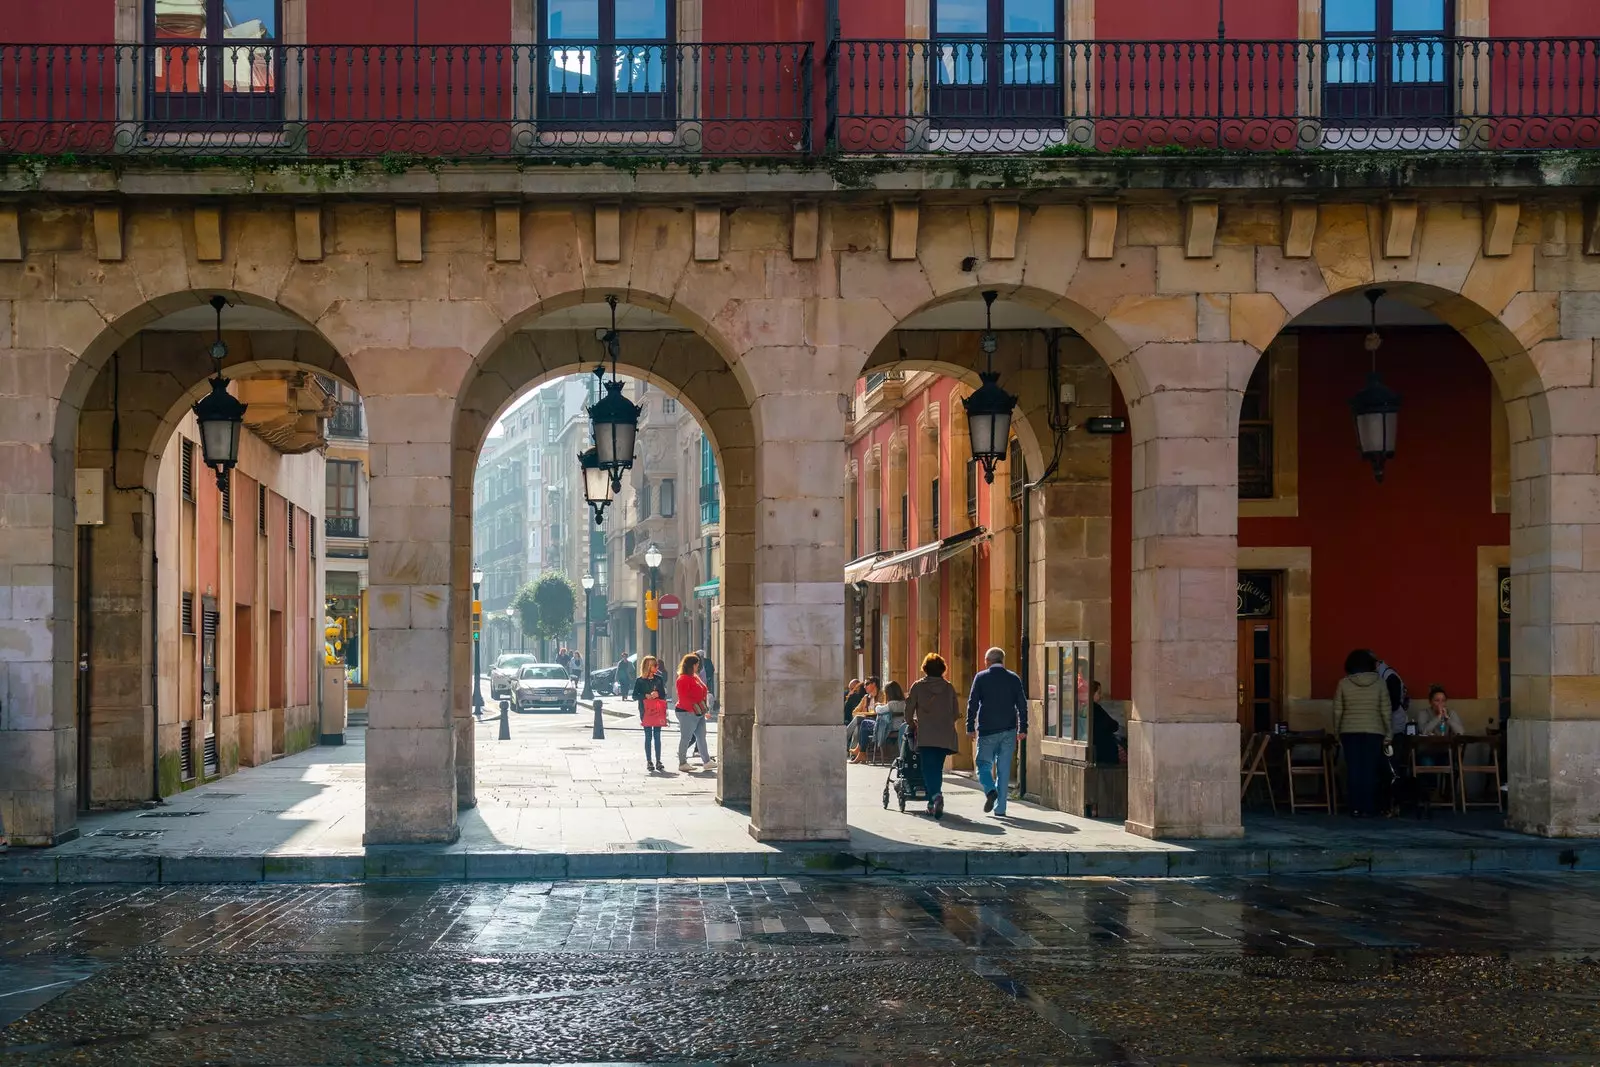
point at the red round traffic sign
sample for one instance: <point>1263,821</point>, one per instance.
<point>669,606</point>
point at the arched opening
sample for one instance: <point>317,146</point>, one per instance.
<point>198,608</point>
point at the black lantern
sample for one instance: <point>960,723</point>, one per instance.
<point>989,409</point>
<point>219,413</point>
<point>614,418</point>
<point>1377,407</point>
<point>597,487</point>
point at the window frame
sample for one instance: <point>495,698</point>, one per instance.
<point>1386,100</point>
<point>599,109</point>
<point>213,105</point>
<point>995,102</point>
<point>667,498</point>
<point>1263,485</point>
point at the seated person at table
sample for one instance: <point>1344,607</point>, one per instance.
<point>1109,748</point>
<point>1436,720</point>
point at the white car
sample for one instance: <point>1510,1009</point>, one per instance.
<point>503,675</point>
<point>545,685</point>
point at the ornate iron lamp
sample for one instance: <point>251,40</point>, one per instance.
<point>219,412</point>
<point>597,484</point>
<point>614,418</point>
<point>1377,407</point>
<point>989,409</point>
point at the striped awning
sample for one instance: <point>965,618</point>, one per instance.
<point>924,560</point>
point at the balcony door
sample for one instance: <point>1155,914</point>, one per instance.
<point>996,62</point>
<point>213,62</point>
<point>1388,62</point>
<point>608,63</point>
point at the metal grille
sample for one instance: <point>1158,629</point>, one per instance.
<point>186,751</point>
<point>227,495</point>
<point>188,613</point>
<point>934,493</point>
<point>211,765</point>
<point>291,510</point>
<point>188,469</point>
<point>261,508</point>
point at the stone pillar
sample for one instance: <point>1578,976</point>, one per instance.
<point>412,791</point>
<point>1183,734</point>
<point>461,639</point>
<point>798,784</point>
<point>736,659</point>
<point>121,647</point>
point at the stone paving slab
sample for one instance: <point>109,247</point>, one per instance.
<point>301,819</point>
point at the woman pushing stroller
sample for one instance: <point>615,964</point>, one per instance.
<point>933,707</point>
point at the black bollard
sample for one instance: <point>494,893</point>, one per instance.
<point>599,719</point>
<point>505,720</point>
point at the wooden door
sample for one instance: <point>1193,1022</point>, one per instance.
<point>1260,650</point>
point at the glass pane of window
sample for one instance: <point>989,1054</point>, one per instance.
<point>1418,16</point>
<point>250,20</point>
<point>572,70</point>
<point>573,20</point>
<point>1030,63</point>
<point>962,64</point>
<point>1031,16</point>
<point>1350,16</point>
<point>1350,62</point>
<point>962,16</point>
<point>641,69</point>
<point>1417,61</point>
<point>644,20</point>
<point>180,18</point>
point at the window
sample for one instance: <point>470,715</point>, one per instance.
<point>972,489</point>
<point>905,519</point>
<point>996,61</point>
<point>669,406</point>
<point>1386,60</point>
<point>1255,435</point>
<point>710,508</point>
<point>261,509</point>
<point>608,62</point>
<point>187,618</point>
<point>343,482</point>
<point>877,531</point>
<point>186,473</point>
<point>215,61</point>
<point>667,498</point>
<point>227,495</point>
<point>1019,469</point>
<point>290,524</point>
<point>934,500</point>
<point>644,498</point>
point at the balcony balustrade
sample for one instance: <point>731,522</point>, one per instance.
<point>342,526</point>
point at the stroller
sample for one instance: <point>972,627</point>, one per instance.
<point>905,773</point>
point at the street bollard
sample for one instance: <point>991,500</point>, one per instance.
<point>599,720</point>
<point>505,720</point>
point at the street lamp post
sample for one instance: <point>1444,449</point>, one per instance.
<point>477,645</point>
<point>652,559</point>
<point>588,636</point>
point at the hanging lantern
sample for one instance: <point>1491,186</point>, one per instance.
<point>989,409</point>
<point>219,413</point>
<point>614,418</point>
<point>597,488</point>
<point>1377,407</point>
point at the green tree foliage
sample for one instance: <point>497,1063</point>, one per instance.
<point>546,607</point>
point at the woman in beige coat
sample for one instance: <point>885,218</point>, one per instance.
<point>934,706</point>
<point>1361,719</point>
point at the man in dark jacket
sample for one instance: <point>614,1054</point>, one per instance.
<point>997,715</point>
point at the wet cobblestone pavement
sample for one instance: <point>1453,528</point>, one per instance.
<point>1491,970</point>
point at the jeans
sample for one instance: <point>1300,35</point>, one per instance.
<point>1363,753</point>
<point>860,731</point>
<point>652,734</point>
<point>994,765</point>
<point>692,731</point>
<point>932,761</point>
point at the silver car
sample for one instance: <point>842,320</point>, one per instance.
<point>503,675</point>
<point>546,685</point>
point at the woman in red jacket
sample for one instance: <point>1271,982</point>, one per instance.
<point>691,709</point>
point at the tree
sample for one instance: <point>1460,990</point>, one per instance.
<point>547,606</point>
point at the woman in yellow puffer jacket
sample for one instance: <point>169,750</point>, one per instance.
<point>1361,719</point>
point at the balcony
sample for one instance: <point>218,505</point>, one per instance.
<point>345,421</point>
<point>454,101</point>
<point>710,506</point>
<point>342,526</point>
<point>286,409</point>
<point>884,392</point>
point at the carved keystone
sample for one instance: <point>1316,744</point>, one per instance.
<point>108,232</point>
<point>903,218</point>
<point>608,233</point>
<point>10,233</point>
<point>1100,229</point>
<point>1299,228</point>
<point>508,233</point>
<point>408,233</point>
<point>1399,228</point>
<point>1500,226</point>
<point>707,232</point>
<point>1200,228</point>
<point>807,230</point>
<point>308,233</point>
<point>208,233</point>
<point>1003,219</point>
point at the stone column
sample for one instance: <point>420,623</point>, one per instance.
<point>1183,734</point>
<point>798,784</point>
<point>736,659</point>
<point>412,791</point>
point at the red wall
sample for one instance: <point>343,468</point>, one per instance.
<point>391,22</point>
<point>58,22</point>
<point>1543,18</point>
<point>1147,20</point>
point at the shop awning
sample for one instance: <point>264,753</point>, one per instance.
<point>923,561</point>
<point>856,570</point>
<point>708,590</point>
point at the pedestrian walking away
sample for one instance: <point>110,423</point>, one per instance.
<point>691,711</point>
<point>650,693</point>
<point>933,707</point>
<point>1361,719</point>
<point>708,674</point>
<point>997,715</point>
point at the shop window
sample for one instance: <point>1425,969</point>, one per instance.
<point>608,62</point>
<point>1255,435</point>
<point>1386,60</point>
<point>215,62</point>
<point>996,62</point>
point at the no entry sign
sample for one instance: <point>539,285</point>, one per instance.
<point>669,606</point>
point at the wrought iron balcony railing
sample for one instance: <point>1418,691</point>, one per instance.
<point>342,526</point>
<point>1020,95</point>
<point>571,98</point>
<point>346,420</point>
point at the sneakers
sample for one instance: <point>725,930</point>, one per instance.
<point>684,768</point>
<point>989,800</point>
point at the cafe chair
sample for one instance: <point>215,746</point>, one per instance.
<point>1491,769</point>
<point>1447,772</point>
<point>1253,767</point>
<point>1297,765</point>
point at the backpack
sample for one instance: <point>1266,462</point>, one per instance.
<point>1399,710</point>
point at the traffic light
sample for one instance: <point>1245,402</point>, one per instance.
<point>477,618</point>
<point>652,615</point>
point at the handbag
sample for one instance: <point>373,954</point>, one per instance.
<point>655,711</point>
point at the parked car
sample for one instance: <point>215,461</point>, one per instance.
<point>503,675</point>
<point>546,685</point>
<point>604,682</point>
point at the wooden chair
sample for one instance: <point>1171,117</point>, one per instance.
<point>1447,772</point>
<point>1320,768</point>
<point>1492,769</point>
<point>1253,766</point>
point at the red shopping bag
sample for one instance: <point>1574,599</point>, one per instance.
<point>655,711</point>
